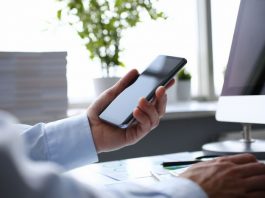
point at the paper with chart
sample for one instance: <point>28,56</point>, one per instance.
<point>140,167</point>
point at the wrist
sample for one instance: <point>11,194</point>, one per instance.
<point>93,130</point>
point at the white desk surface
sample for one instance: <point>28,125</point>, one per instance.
<point>130,170</point>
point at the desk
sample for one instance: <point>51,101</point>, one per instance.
<point>136,170</point>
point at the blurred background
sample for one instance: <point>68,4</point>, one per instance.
<point>32,25</point>
<point>46,70</point>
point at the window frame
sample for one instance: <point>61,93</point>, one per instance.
<point>206,90</point>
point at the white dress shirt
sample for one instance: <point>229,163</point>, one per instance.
<point>62,145</point>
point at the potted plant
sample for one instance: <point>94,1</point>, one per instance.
<point>100,24</point>
<point>183,85</point>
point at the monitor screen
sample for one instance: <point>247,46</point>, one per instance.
<point>243,93</point>
<point>245,73</point>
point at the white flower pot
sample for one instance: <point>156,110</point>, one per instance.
<point>172,94</point>
<point>101,84</point>
<point>183,90</point>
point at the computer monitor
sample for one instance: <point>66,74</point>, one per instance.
<point>243,95</point>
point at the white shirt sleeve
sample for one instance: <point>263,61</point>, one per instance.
<point>67,142</point>
<point>177,187</point>
<point>24,178</point>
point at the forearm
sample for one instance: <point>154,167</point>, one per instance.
<point>67,142</point>
<point>21,177</point>
<point>45,180</point>
<point>175,188</point>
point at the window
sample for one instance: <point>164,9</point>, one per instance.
<point>222,34</point>
<point>31,25</point>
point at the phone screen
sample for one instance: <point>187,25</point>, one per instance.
<point>159,72</point>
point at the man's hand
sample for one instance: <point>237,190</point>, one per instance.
<point>232,176</point>
<point>147,115</point>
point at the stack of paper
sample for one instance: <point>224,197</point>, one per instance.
<point>33,85</point>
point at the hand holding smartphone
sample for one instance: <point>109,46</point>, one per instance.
<point>158,73</point>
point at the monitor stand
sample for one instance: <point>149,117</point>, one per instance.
<point>230,147</point>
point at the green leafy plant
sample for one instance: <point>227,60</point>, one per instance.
<point>183,75</point>
<point>100,24</point>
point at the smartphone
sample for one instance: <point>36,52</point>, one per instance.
<point>158,73</point>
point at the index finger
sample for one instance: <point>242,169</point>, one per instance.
<point>107,96</point>
<point>170,83</point>
<point>239,158</point>
<point>160,99</point>
<point>125,81</point>
<point>251,169</point>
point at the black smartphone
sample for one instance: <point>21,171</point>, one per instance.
<point>158,73</point>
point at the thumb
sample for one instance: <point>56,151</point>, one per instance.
<point>122,83</point>
<point>107,96</point>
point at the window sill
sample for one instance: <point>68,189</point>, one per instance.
<point>190,109</point>
<point>176,110</point>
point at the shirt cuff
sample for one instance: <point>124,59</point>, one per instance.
<point>70,142</point>
<point>182,188</point>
